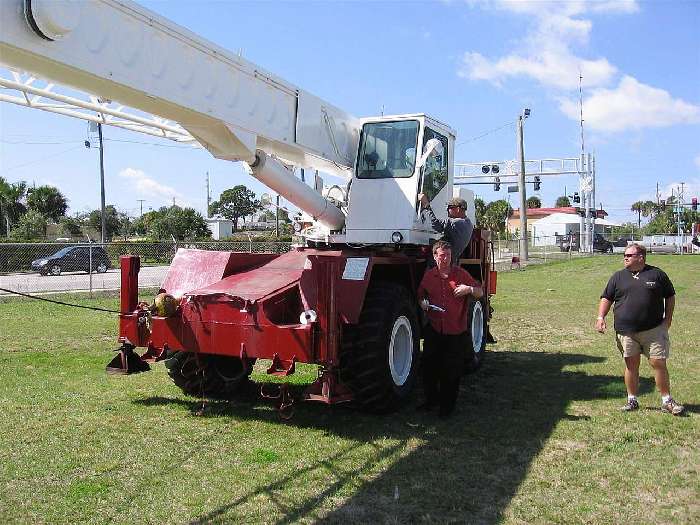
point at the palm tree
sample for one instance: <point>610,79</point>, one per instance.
<point>648,208</point>
<point>562,202</point>
<point>12,196</point>
<point>48,201</point>
<point>637,206</point>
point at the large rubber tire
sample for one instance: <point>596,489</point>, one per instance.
<point>55,269</point>
<point>379,355</point>
<point>476,338</point>
<point>207,375</point>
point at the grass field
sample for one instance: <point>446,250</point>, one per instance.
<point>537,439</point>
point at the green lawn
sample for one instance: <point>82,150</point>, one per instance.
<point>537,439</point>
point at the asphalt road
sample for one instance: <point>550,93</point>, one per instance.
<point>149,277</point>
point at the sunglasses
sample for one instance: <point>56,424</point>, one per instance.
<point>628,255</point>
<point>452,207</point>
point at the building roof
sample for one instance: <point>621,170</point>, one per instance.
<point>538,213</point>
<point>568,218</point>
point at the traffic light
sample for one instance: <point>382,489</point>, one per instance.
<point>577,199</point>
<point>694,203</point>
<point>497,184</point>
<point>537,184</point>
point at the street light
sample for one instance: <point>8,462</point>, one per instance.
<point>523,197</point>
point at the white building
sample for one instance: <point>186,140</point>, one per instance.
<point>545,230</point>
<point>220,228</point>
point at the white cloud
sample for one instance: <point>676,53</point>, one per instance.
<point>147,187</point>
<point>631,106</point>
<point>547,55</point>
<point>552,67</point>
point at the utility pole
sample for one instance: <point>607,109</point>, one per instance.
<point>679,208</point>
<point>103,213</point>
<point>523,196</point>
<point>277,217</point>
<point>591,168</point>
<point>208,197</point>
<point>657,194</point>
<point>141,201</point>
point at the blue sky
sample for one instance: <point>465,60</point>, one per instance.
<point>472,64</point>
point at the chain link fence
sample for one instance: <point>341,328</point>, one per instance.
<point>60,267</point>
<point>547,248</point>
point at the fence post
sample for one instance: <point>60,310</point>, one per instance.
<point>545,249</point>
<point>90,268</point>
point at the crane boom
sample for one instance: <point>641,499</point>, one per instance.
<point>121,51</point>
<point>118,50</point>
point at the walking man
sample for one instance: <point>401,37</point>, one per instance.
<point>644,299</point>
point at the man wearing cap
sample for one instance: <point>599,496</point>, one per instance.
<point>456,229</point>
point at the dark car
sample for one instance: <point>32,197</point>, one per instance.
<point>73,259</point>
<point>571,242</point>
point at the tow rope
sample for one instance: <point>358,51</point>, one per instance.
<point>38,298</point>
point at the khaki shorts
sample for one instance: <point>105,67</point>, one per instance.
<point>654,343</point>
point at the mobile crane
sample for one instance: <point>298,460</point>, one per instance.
<point>344,298</point>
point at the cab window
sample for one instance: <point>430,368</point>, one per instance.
<point>434,173</point>
<point>387,150</point>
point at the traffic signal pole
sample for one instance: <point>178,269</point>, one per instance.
<point>523,196</point>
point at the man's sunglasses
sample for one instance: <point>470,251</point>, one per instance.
<point>628,255</point>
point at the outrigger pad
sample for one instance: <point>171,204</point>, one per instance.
<point>127,362</point>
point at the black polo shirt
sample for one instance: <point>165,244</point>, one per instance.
<point>638,298</point>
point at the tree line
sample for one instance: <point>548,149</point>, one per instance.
<point>26,212</point>
<point>663,216</point>
<point>494,215</point>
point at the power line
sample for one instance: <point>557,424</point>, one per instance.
<point>494,130</point>
<point>40,159</point>
<point>25,142</point>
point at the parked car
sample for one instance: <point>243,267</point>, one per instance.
<point>73,259</point>
<point>571,242</point>
<point>620,244</point>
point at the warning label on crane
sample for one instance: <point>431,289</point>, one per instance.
<point>355,268</point>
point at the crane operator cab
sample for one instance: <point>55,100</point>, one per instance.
<point>399,157</point>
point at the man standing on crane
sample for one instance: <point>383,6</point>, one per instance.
<point>443,295</point>
<point>456,229</point>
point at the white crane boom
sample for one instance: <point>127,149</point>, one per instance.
<point>116,50</point>
<point>120,51</point>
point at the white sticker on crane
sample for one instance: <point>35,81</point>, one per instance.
<point>355,268</point>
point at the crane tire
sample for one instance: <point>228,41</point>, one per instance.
<point>379,355</point>
<point>207,375</point>
<point>476,338</point>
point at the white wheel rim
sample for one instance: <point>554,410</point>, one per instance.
<point>477,332</point>
<point>401,350</point>
<point>102,268</point>
<point>56,270</point>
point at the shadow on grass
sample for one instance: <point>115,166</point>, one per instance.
<point>465,469</point>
